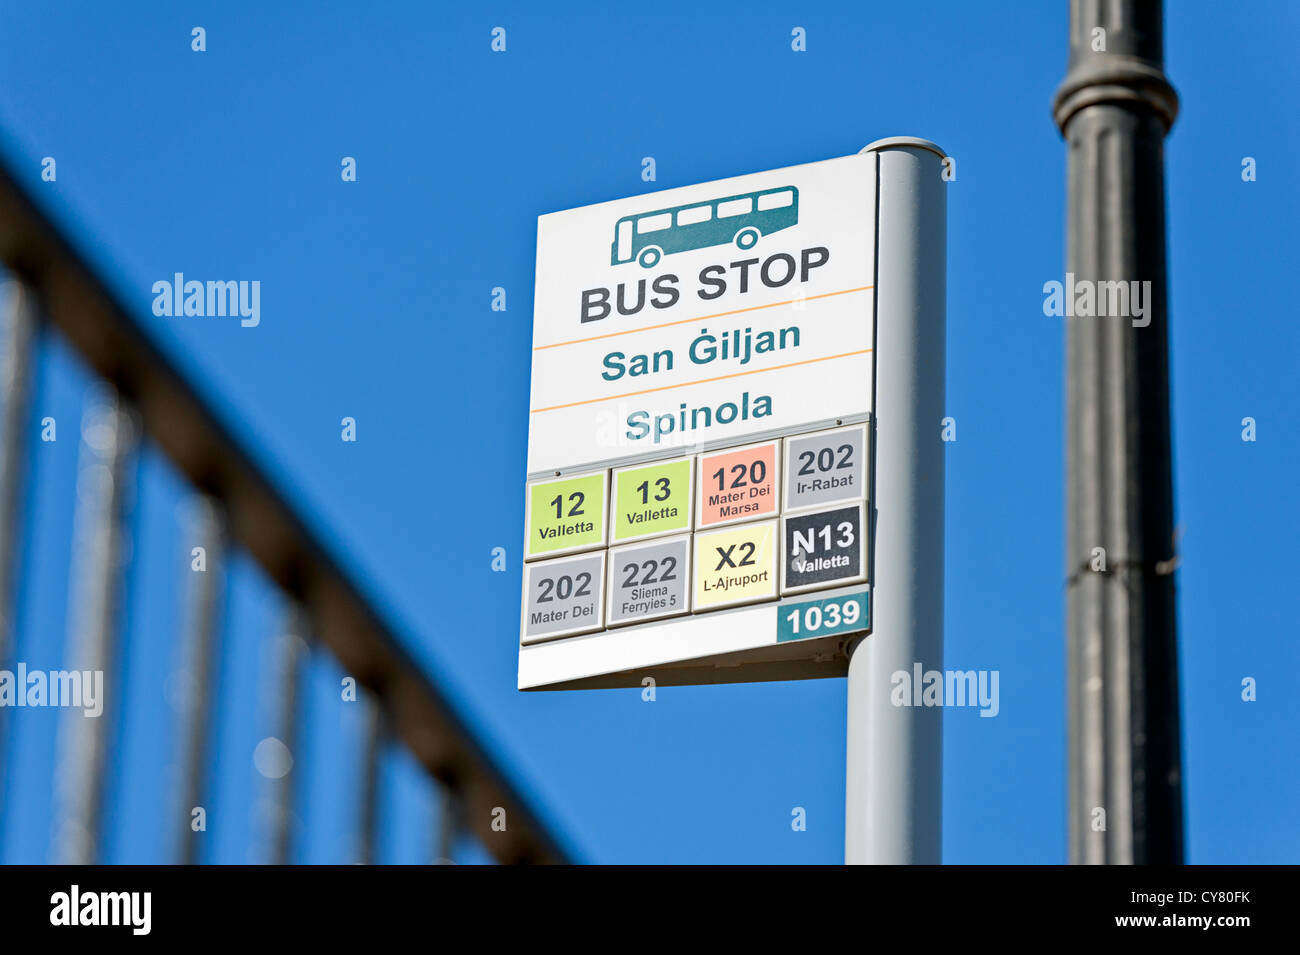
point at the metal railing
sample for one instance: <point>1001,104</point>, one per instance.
<point>145,398</point>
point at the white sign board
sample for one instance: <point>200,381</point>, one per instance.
<point>703,314</point>
<point>702,390</point>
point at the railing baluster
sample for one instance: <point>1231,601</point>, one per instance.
<point>100,546</point>
<point>448,825</point>
<point>196,679</point>
<point>17,333</point>
<point>280,752</point>
<point>16,336</point>
<point>368,817</point>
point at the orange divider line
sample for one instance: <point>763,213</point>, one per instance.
<point>702,318</point>
<point>702,381</point>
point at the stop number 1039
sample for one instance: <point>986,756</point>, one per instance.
<point>827,617</point>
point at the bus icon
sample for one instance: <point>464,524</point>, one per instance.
<point>743,219</point>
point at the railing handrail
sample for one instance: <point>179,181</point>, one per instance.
<point>112,343</point>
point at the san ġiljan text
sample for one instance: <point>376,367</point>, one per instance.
<point>705,348</point>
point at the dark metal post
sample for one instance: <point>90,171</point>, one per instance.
<point>1114,109</point>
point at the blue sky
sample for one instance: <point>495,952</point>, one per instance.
<point>376,303</point>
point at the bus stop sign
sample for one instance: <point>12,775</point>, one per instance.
<point>701,401</point>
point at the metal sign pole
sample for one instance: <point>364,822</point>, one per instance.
<point>894,759</point>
